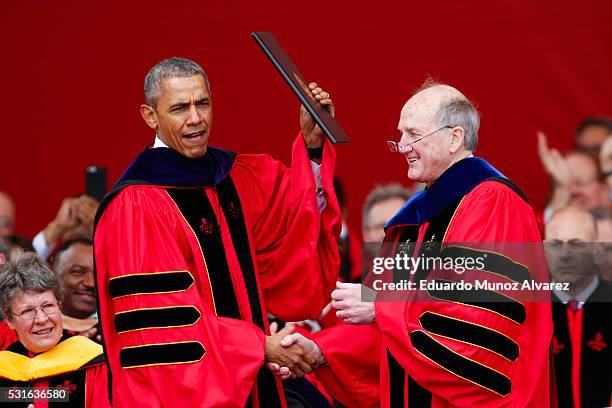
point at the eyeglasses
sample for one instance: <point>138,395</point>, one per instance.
<point>48,309</point>
<point>397,148</point>
<point>572,246</point>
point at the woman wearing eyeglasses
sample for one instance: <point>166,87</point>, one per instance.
<point>47,366</point>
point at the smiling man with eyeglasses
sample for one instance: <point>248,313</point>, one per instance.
<point>429,141</point>
<point>442,350</point>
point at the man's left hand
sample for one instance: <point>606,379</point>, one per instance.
<point>313,135</point>
<point>347,299</point>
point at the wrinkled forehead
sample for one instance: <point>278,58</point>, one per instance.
<point>184,89</point>
<point>420,110</point>
<point>423,106</point>
<point>29,299</point>
<point>574,226</point>
<point>77,253</point>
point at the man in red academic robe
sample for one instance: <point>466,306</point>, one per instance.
<point>195,245</point>
<point>447,348</point>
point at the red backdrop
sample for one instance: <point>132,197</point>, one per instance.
<point>71,81</point>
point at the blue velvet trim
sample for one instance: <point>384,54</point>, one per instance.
<point>461,178</point>
<point>164,166</point>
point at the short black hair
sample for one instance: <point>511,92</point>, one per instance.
<point>593,121</point>
<point>175,67</point>
<point>21,242</point>
<point>67,245</point>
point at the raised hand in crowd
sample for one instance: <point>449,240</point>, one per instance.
<point>73,219</point>
<point>557,168</point>
<point>554,163</point>
<point>65,220</point>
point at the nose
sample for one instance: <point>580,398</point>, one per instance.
<point>406,148</point>
<point>88,280</point>
<point>194,116</point>
<point>40,316</point>
<point>403,145</point>
<point>565,252</point>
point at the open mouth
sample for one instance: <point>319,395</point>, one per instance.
<point>194,135</point>
<point>413,159</point>
<point>43,332</point>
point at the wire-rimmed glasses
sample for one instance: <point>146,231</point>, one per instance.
<point>397,148</point>
<point>49,308</point>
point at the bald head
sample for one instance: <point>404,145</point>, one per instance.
<point>447,106</point>
<point>7,214</point>
<point>439,127</point>
<point>430,98</point>
<point>440,92</point>
<point>572,224</point>
<point>581,161</point>
<point>569,249</point>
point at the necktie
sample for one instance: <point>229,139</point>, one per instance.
<point>573,305</point>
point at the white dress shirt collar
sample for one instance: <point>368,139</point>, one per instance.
<point>158,143</point>
<point>580,297</point>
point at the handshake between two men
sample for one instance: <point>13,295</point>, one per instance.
<point>291,355</point>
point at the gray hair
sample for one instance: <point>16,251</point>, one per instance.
<point>382,193</point>
<point>174,67</point>
<point>458,111</point>
<point>28,273</point>
<point>461,112</point>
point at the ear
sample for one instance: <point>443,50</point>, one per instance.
<point>457,136</point>
<point>9,324</point>
<point>149,115</point>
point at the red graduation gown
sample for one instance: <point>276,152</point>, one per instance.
<point>351,375</point>
<point>166,344</point>
<point>7,335</point>
<point>457,373</point>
